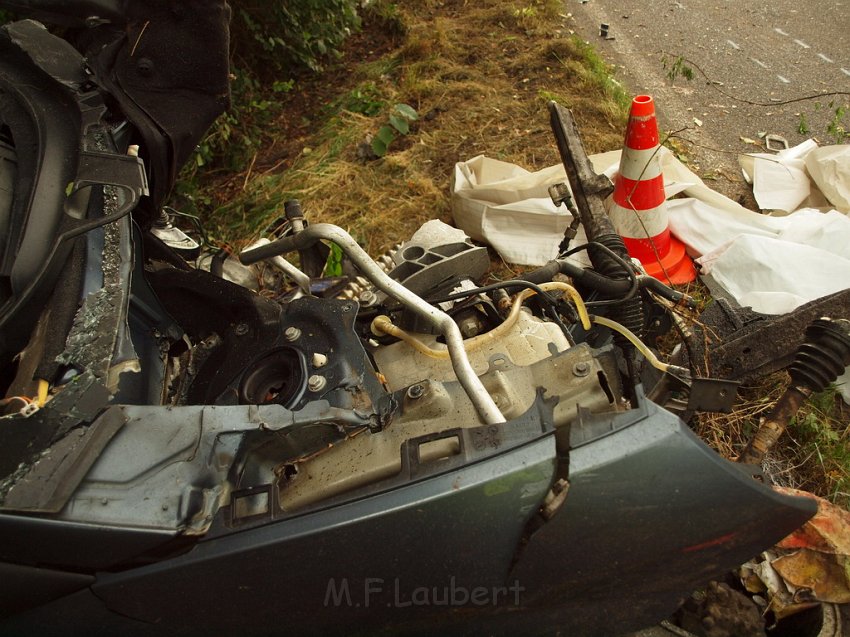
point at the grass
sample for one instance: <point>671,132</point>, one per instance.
<point>813,453</point>
<point>478,74</point>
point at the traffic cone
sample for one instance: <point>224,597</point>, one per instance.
<point>639,209</point>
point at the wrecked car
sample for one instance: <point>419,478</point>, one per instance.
<point>397,450</point>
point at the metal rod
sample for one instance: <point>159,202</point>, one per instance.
<point>771,427</point>
<point>481,400</point>
<point>301,279</point>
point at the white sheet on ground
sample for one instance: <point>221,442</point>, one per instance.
<point>829,168</point>
<point>509,207</point>
<point>780,181</point>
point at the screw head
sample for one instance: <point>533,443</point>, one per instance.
<point>241,329</point>
<point>415,391</point>
<point>316,383</point>
<point>582,368</point>
<point>144,66</point>
<point>292,334</point>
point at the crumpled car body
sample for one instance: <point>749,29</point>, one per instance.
<point>181,454</point>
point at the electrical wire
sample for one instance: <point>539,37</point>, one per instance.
<point>194,220</point>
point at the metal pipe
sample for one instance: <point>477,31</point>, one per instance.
<point>301,279</point>
<point>481,400</point>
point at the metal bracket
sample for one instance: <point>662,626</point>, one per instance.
<point>712,394</point>
<point>775,143</point>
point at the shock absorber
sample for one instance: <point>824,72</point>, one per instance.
<point>820,359</point>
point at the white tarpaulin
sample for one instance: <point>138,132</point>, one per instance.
<point>509,208</point>
<point>829,168</point>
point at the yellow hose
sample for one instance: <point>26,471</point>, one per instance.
<point>43,387</point>
<point>641,347</point>
<point>383,325</point>
<point>574,295</point>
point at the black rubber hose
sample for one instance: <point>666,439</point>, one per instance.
<point>217,263</point>
<point>630,313</point>
<point>607,286</point>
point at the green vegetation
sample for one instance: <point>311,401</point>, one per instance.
<point>677,68</point>
<point>820,441</point>
<point>421,86</point>
<point>399,124</point>
<point>274,38</point>
<point>837,127</point>
<point>272,44</point>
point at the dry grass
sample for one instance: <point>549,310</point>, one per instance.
<point>814,452</point>
<point>479,74</point>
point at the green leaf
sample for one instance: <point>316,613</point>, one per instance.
<point>386,135</point>
<point>379,147</point>
<point>333,266</point>
<point>400,124</point>
<point>407,112</point>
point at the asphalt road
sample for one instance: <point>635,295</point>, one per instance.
<point>766,52</point>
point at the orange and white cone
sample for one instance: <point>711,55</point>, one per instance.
<point>639,209</point>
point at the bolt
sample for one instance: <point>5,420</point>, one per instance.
<point>346,307</point>
<point>367,297</point>
<point>582,368</point>
<point>469,326</point>
<point>292,334</point>
<point>316,383</point>
<point>415,391</point>
<point>144,66</point>
<point>241,329</point>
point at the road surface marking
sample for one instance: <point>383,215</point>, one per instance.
<point>780,31</point>
<point>845,71</point>
<point>760,63</point>
<point>784,80</point>
<point>733,45</point>
<point>802,44</point>
<point>824,58</point>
